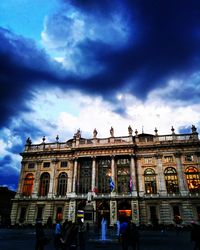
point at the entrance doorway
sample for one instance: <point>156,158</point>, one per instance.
<point>103,211</point>
<point>124,210</point>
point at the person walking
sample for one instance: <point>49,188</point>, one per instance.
<point>195,236</point>
<point>134,237</point>
<point>40,236</point>
<point>57,237</point>
<point>124,233</point>
<point>81,235</point>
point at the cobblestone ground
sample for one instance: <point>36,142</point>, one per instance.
<point>24,239</point>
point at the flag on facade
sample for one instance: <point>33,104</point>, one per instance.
<point>112,184</point>
<point>131,184</point>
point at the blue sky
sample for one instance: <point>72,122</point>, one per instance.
<point>69,64</point>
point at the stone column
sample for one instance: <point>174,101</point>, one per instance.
<point>181,177</point>
<point>161,180</point>
<point>93,174</point>
<point>21,181</point>
<point>74,183</point>
<point>52,185</point>
<point>70,177</point>
<point>37,179</point>
<point>140,171</point>
<point>133,176</point>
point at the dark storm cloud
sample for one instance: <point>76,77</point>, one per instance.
<point>22,66</point>
<point>167,45</point>
<point>163,43</point>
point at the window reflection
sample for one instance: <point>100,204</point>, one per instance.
<point>171,180</point>
<point>150,181</point>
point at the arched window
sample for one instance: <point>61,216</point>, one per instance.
<point>150,181</point>
<point>44,184</point>
<point>62,184</point>
<point>193,179</point>
<point>28,185</point>
<point>171,180</point>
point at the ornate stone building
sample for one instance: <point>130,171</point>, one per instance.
<point>152,179</point>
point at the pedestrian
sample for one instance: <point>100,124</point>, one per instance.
<point>134,237</point>
<point>195,236</point>
<point>70,237</point>
<point>81,235</point>
<point>124,233</point>
<point>57,236</point>
<point>40,236</point>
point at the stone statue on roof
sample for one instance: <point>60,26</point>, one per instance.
<point>130,131</point>
<point>111,132</point>
<point>95,133</point>
<point>78,134</point>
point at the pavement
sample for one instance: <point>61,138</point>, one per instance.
<point>24,239</point>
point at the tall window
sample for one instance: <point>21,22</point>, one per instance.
<point>28,185</point>
<point>44,184</point>
<point>104,170</point>
<point>40,212</point>
<point>150,181</point>
<point>59,213</point>
<point>85,176</point>
<point>22,216</point>
<point>177,215</point>
<point>171,180</point>
<point>62,184</point>
<point>193,179</point>
<point>123,175</point>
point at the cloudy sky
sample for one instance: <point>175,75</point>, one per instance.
<point>69,64</point>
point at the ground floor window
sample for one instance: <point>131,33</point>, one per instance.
<point>22,216</point>
<point>59,213</point>
<point>177,215</point>
<point>40,212</point>
<point>153,215</point>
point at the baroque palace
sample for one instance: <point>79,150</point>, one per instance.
<point>152,179</point>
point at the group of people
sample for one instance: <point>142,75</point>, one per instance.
<point>67,236</point>
<point>70,235</point>
<point>128,234</point>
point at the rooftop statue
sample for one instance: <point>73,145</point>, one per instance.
<point>95,133</point>
<point>112,132</point>
<point>130,131</point>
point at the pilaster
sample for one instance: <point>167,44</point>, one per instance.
<point>181,177</point>
<point>162,187</point>
<point>133,176</point>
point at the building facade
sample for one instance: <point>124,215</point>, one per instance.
<point>152,179</point>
